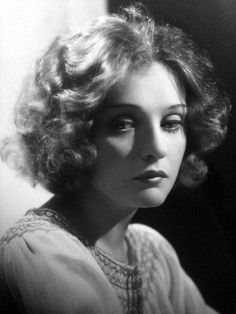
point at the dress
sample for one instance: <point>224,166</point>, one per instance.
<point>46,267</point>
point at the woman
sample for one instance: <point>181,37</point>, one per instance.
<point>113,115</point>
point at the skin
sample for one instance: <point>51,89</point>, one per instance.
<point>140,128</point>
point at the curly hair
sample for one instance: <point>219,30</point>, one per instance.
<point>56,110</point>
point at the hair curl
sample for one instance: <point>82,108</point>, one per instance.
<point>55,112</point>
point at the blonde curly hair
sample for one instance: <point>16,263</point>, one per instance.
<point>55,113</point>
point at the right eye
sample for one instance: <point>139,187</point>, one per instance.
<point>122,124</point>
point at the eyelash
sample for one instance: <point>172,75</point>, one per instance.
<point>173,126</point>
<point>125,124</point>
<point>121,121</point>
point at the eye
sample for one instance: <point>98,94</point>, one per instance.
<point>173,123</point>
<point>122,124</point>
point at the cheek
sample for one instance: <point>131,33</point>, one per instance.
<point>181,151</point>
<point>178,151</point>
<point>111,166</point>
<point>114,149</point>
<point>110,162</point>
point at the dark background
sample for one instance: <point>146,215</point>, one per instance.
<point>200,223</point>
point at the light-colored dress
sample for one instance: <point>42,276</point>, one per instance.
<point>46,267</point>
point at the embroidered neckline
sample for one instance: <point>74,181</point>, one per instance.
<point>125,279</point>
<point>61,221</point>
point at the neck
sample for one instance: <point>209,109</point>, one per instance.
<point>98,219</point>
<point>113,242</point>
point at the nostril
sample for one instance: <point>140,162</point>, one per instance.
<point>153,152</point>
<point>150,158</point>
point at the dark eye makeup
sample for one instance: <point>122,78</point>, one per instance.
<point>125,118</point>
<point>173,123</point>
<point>122,123</point>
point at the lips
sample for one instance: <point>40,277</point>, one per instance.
<point>151,176</point>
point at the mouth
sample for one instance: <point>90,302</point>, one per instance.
<point>151,176</point>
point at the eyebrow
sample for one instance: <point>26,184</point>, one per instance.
<point>178,106</point>
<point>109,107</point>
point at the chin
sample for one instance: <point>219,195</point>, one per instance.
<point>151,199</point>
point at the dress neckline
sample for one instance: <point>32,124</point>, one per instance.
<point>64,223</point>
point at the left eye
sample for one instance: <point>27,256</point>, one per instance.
<point>122,124</point>
<point>173,124</point>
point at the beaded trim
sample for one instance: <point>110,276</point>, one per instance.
<point>125,279</point>
<point>44,219</point>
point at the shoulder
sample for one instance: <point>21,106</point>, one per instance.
<point>148,239</point>
<point>28,224</point>
<point>39,233</point>
<point>155,254</point>
<point>34,243</point>
<point>44,263</point>
<point>163,274</point>
<point>41,221</point>
<point>145,231</point>
<point>39,244</point>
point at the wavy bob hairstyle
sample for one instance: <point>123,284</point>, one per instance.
<point>56,111</point>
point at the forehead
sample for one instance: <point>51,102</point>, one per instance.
<point>155,85</point>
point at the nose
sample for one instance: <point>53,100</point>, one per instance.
<point>154,143</point>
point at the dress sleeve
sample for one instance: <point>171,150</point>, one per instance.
<point>167,285</point>
<point>183,292</point>
<point>52,272</point>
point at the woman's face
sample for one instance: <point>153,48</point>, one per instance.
<point>140,138</point>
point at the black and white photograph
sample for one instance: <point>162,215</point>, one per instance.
<point>118,156</point>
